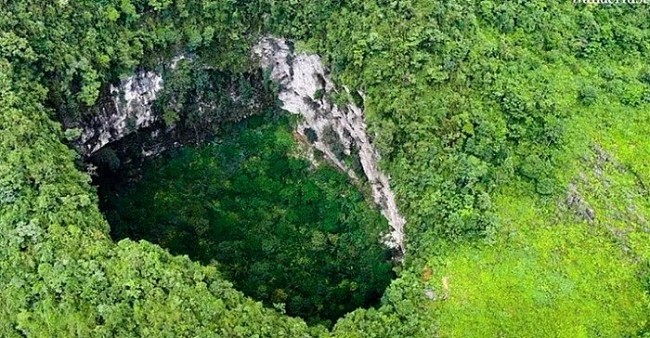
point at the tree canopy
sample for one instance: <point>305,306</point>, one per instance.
<point>500,123</point>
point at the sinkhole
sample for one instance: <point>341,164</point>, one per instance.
<point>299,237</point>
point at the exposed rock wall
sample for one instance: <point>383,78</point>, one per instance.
<point>126,109</point>
<point>304,90</point>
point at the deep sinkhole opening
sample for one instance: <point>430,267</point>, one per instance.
<point>299,237</point>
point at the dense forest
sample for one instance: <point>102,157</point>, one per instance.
<point>281,231</point>
<point>515,135</point>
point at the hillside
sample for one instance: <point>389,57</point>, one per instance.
<point>514,135</point>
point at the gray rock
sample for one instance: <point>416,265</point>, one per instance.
<point>127,109</point>
<point>304,86</point>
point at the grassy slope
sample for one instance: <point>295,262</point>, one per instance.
<point>548,272</point>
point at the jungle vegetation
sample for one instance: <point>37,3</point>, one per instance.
<point>515,134</point>
<point>298,237</point>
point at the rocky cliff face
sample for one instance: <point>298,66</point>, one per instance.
<point>304,90</point>
<point>126,109</point>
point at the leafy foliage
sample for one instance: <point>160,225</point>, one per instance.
<point>199,96</point>
<point>63,276</point>
<point>466,101</point>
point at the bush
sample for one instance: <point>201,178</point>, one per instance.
<point>587,95</point>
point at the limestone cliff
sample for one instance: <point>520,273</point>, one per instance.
<point>127,108</point>
<point>304,89</point>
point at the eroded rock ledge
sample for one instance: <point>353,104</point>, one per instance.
<point>127,108</point>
